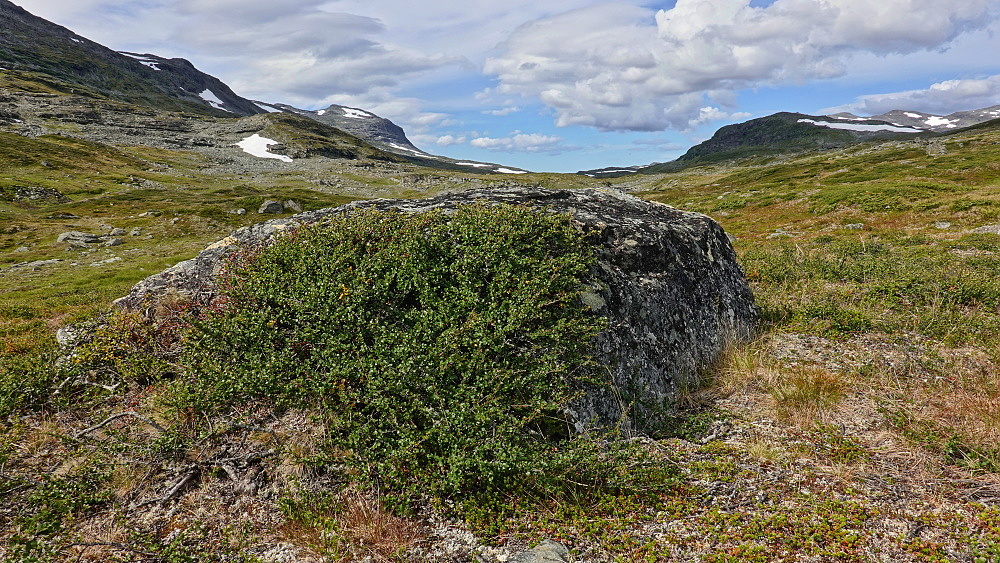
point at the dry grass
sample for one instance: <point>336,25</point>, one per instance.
<point>350,526</point>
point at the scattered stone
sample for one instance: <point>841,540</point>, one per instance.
<point>292,205</point>
<point>117,232</point>
<point>106,227</point>
<point>78,238</point>
<point>37,264</point>
<point>62,216</point>
<point>136,232</point>
<point>854,226</point>
<point>240,211</point>
<point>38,193</point>
<point>175,220</point>
<point>987,230</point>
<point>548,551</point>
<point>111,260</point>
<point>151,213</point>
<point>779,233</point>
<point>674,299</point>
<point>114,242</point>
<point>22,249</point>
<point>271,206</point>
<point>942,225</point>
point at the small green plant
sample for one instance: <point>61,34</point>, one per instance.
<point>444,347</point>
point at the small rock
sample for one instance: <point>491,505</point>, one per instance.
<point>239,211</point>
<point>942,225</point>
<point>62,216</point>
<point>175,220</point>
<point>546,552</point>
<point>854,226</point>
<point>114,242</point>
<point>111,260</point>
<point>117,232</point>
<point>151,213</point>
<point>293,205</point>
<point>22,249</point>
<point>78,238</point>
<point>135,232</point>
<point>987,230</point>
<point>271,206</point>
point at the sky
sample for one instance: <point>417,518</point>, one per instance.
<point>568,85</point>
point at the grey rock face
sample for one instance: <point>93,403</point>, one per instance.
<point>546,552</point>
<point>271,206</point>
<point>77,237</point>
<point>666,280</point>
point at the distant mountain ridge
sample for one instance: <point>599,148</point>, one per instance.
<point>788,133</point>
<point>31,44</point>
<point>41,57</point>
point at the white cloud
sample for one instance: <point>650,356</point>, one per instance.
<point>618,66</point>
<point>449,140</point>
<point>502,111</point>
<point>521,142</point>
<point>940,98</point>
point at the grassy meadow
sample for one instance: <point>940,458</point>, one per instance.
<point>861,425</point>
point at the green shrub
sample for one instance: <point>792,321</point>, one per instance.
<point>443,347</point>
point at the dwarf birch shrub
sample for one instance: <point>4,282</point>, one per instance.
<point>443,348</point>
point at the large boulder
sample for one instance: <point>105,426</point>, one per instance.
<point>667,281</point>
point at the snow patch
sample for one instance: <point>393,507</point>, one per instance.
<point>913,115</point>
<point>861,127</point>
<point>356,113</point>
<point>75,40</point>
<point>935,121</point>
<point>474,164</point>
<point>255,145</point>
<point>321,112</point>
<point>268,109</point>
<point>509,171</point>
<point>407,149</point>
<point>213,100</point>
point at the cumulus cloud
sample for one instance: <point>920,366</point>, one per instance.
<point>449,140</point>
<point>618,66</point>
<point>940,98</point>
<point>521,142</point>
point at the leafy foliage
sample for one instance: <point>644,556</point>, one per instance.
<point>444,347</point>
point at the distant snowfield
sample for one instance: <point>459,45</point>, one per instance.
<point>935,121</point>
<point>474,164</point>
<point>408,149</point>
<point>210,97</point>
<point>255,145</point>
<point>861,127</point>
<point>356,113</point>
<point>509,171</point>
<point>144,60</point>
<point>268,109</point>
<point>321,112</point>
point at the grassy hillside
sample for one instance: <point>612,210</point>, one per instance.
<point>860,426</point>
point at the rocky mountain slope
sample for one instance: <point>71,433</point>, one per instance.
<point>31,44</point>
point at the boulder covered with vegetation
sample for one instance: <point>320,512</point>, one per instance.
<point>664,283</point>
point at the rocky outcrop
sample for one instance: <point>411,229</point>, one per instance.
<point>666,280</point>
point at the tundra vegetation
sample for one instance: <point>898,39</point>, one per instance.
<point>860,425</point>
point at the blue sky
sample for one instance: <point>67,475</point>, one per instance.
<point>565,85</point>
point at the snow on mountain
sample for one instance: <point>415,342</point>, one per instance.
<point>213,100</point>
<point>861,127</point>
<point>255,145</point>
<point>354,113</point>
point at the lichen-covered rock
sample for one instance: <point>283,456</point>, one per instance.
<point>667,281</point>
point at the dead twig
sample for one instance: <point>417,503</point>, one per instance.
<point>115,417</point>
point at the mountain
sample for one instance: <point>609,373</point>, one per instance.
<point>792,133</point>
<point>32,46</point>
